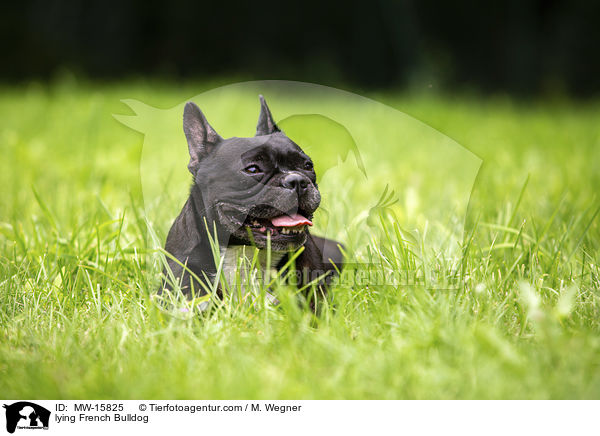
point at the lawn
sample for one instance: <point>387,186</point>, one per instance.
<point>504,296</point>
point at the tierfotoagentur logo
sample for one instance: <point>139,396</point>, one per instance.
<point>25,415</point>
<point>399,213</point>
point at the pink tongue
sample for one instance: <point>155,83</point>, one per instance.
<point>290,221</point>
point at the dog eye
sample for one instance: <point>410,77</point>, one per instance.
<point>308,165</point>
<point>252,169</point>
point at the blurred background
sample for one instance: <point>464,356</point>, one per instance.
<point>525,48</point>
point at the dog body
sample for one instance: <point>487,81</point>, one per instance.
<point>247,192</point>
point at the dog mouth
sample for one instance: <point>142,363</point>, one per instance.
<point>292,224</point>
<point>262,222</point>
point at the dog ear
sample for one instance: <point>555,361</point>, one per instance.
<point>265,125</point>
<point>200,135</point>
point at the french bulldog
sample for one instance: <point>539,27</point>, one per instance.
<point>247,191</point>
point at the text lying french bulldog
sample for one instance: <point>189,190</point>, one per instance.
<point>247,188</point>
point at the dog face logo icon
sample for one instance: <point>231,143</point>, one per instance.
<point>26,415</point>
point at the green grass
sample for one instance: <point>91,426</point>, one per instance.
<point>76,269</point>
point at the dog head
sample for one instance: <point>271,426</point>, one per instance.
<point>253,187</point>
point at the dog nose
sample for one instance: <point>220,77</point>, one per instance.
<point>296,182</point>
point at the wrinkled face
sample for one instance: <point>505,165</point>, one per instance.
<point>260,187</point>
<point>254,188</point>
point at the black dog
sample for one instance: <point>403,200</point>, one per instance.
<point>246,189</point>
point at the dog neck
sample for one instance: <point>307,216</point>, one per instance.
<point>238,258</point>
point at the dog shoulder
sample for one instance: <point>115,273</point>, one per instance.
<point>324,253</point>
